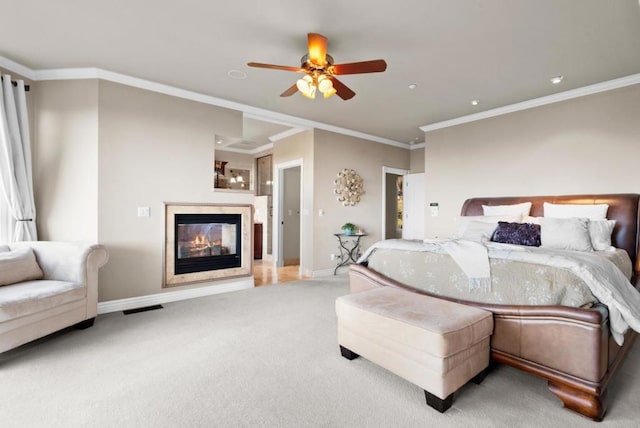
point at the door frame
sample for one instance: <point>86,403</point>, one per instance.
<point>278,206</point>
<point>388,170</point>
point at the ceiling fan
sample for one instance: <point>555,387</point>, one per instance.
<point>320,71</point>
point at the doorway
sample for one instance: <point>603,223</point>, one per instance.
<point>288,218</point>
<point>393,201</point>
<point>291,216</point>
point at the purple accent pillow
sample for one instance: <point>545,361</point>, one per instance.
<point>517,233</point>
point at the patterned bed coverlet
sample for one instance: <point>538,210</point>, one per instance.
<point>513,282</point>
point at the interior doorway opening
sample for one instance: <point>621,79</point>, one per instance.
<point>288,197</point>
<point>393,202</point>
<point>291,201</point>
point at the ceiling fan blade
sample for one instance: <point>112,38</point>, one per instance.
<point>341,89</point>
<point>317,49</point>
<point>276,67</point>
<point>374,66</point>
<point>292,90</point>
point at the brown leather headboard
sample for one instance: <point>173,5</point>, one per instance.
<point>623,208</point>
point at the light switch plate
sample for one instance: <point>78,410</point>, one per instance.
<point>143,211</point>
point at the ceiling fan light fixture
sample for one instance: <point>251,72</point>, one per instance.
<point>325,85</point>
<point>320,69</point>
<point>306,86</point>
<point>331,92</point>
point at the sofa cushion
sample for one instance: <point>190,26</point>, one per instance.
<point>18,265</point>
<point>29,297</point>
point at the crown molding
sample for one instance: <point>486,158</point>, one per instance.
<point>249,111</point>
<point>261,149</point>
<point>255,151</point>
<point>537,102</point>
<point>285,134</point>
<point>418,146</point>
<point>13,66</point>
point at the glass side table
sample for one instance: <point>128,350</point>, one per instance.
<point>349,246</point>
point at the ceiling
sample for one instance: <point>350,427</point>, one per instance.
<point>497,51</point>
<point>256,134</point>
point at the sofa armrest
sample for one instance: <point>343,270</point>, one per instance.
<point>66,261</point>
<point>73,262</point>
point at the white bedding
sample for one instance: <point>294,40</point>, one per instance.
<point>606,281</point>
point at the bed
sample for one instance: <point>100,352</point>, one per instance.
<point>571,347</point>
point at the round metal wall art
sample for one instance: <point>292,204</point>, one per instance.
<point>348,187</point>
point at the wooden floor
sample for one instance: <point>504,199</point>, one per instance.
<point>265,273</point>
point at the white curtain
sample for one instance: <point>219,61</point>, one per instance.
<point>17,207</point>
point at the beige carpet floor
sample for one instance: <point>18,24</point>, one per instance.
<point>264,357</point>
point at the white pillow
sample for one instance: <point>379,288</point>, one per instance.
<point>600,233</point>
<point>532,220</point>
<point>565,233</point>
<point>18,265</point>
<point>522,209</point>
<point>592,212</point>
<point>478,231</point>
<point>462,222</point>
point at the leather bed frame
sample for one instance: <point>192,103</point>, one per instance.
<point>569,347</point>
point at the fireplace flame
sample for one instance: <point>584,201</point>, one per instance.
<point>200,242</point>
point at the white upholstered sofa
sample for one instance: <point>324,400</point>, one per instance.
<point>66,294</point>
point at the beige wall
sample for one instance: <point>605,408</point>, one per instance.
<point>153,149</point>
<point>585,145</point>
<point>332,153</point>
<point>65,159</point>
<point>416,164</point>
<point>299,146</point>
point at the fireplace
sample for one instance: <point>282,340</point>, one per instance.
<point>206,242</point>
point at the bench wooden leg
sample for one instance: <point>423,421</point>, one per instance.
<point>347,353</point>
<point>438,403</point>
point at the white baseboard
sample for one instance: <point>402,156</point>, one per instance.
<point>172,296</point>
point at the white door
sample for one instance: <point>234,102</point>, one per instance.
<point>413,206</point>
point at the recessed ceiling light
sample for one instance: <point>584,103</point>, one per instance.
<point>557,79</point>
<point>475,102</point>
<point>413,86</point>
<point>237,74</point>
<point>219,142</point>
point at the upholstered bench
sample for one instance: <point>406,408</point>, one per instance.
<point>436,344</point>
